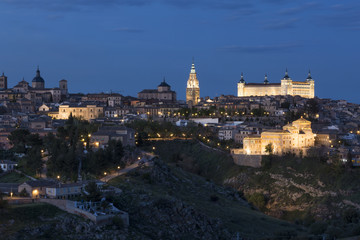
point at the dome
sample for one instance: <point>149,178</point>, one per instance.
<point>164,84</point>
<point>38,78</point>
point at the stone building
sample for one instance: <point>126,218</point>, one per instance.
<point>102,137</point>
<point>109,99</point>
<point>162,93</point>
<point>287,86</point>
<point>37,92</point>
<point>193,88</point>
<point>82,111</point>
<point>296,138</point>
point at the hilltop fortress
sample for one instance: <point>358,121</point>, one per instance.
<point>287,86</point>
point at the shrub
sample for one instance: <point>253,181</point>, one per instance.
<point>147,177</point>
<point>214,198</point>
<point>334,232</point>
<point>24,193</point>
<point>257,199</point>
<point>318,228</point>
<point>163,203</point>
<point>351,215</point>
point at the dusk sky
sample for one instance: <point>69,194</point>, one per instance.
<point>126,46</point>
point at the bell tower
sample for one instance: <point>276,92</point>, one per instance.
<point>192,89</point>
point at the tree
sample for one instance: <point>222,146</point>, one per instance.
<point>93,191</point>
<point>18,140</point>
<point>269,149</point>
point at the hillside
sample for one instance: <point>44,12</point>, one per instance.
<point>169,203</point>
<point>308,192</point>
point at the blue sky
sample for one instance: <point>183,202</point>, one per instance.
<point>128,45</point>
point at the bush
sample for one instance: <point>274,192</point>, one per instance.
<point>267,161</point>
<point>163,203</point>
<point>24,193</point>
<point>333,232</point>
<point>351,215</point>
<point>214,198</point>
<point>318,228</point>
<point>147,177</point>
<point>257,199</point>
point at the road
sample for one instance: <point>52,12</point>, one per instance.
<point>146,157</point>
<point>110,176</point>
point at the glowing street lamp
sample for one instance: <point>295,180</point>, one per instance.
<point>35,193</point>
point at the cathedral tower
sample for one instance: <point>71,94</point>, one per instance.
<point>192,89</point>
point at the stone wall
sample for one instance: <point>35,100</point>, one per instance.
<point>69,206</point>
<point>247,160</point>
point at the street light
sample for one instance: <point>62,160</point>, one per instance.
<point>58,177</point>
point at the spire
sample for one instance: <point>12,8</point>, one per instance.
<point>164,79</point>
<point>286,74</point>
<point>266,80</point>
<point>38,72</point>
<point>309,76</point>
<point>242,78</point>
<point>3,74</point>
<point>192,67</point>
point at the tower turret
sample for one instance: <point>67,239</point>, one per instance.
<point>311,81</point>
<point>286,84</point>
<point>309,78</point>
<point>3,82</point>
<point>241,86</point>
<point>266,80</point>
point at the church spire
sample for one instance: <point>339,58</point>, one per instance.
<point>38,71</point>
<point>193,67</point>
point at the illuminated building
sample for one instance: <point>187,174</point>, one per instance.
<point>192,89</point>
<point>296,138</point>
<point>287,86</point>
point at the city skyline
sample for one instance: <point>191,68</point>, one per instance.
<point>128,46</point>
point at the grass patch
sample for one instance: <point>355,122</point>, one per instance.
<point>26,215</point>
<point>13,177</point>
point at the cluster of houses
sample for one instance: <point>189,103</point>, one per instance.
<point>53,189</point>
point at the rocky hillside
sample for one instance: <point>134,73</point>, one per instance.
<point>308,192</point>
<point>169,203</point>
